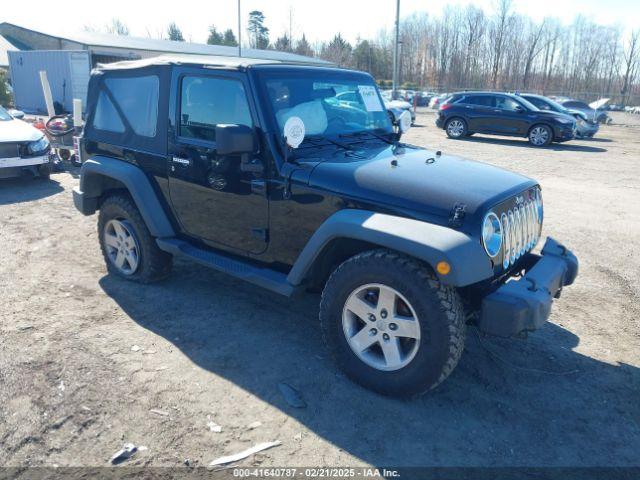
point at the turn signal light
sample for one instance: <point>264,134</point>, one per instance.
<point>443,268</point>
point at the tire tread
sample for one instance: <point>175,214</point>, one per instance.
<point>156,264</point>
<point>449,301</point>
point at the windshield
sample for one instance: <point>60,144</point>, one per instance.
<point>528,104</point>
<point>4,115</point>
<point>541,102</point>
<point>555,105</point>
<point>329,104</point>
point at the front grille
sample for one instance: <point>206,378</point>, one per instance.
<point>521,219</point>
<point>9,150</point>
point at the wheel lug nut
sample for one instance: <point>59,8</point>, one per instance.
<point>393,326</point>
<point>373,331</point>
<point>372,317</point>
<point>385,336</point>
<point>383,313</point>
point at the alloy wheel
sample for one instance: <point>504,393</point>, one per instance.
<point>455,128</point>
<point>539,136</point>
<point>381,327</point>
<point>122,246</point>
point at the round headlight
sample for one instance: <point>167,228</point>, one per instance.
<point>492,234</point>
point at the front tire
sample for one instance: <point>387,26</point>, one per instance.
<point>129,249</point>
<point>390,324</point>
<point>44,171</point>
<point>540,136</point>
<point>456,128</point>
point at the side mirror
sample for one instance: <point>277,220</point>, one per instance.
<point>519,109</point>
<point>234,139</point>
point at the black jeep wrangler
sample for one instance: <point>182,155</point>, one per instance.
<point>256,168</point>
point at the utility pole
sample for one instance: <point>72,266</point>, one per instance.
<point>239,31</point>
<point>394,92</point>
<point>290,29</point>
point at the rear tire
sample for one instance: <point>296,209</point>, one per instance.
<point>129,249</point>
<point>456,128</point>
<point>540,135</point>
<point>428,336</point>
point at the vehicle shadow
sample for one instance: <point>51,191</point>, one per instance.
<point>524,143</point>
<point>26,189</point>
<point>508,403</point>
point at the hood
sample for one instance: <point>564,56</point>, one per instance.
<point>599,103</point>
<point>579,113</point>
<point>421,183</point>
<point>18,131</point>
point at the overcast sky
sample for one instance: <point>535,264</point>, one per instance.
<point>319,20</point>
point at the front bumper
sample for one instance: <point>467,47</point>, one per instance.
<point>19,162</point>
<point>524,305</point>
<point>564,133</point>
<point>587,130</point>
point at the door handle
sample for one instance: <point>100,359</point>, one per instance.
<point>185,162</point>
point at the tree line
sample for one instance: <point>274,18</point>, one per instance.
<point>470,48</point>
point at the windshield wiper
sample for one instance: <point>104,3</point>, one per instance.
<point>314,141</point>
<point>364,133</point>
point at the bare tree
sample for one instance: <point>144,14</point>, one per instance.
<point>535,47</point>
<point>630,56</point>
<point>499,33</point>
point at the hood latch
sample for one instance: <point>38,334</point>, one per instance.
<point>458,212</point>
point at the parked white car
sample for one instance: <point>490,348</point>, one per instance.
<point>399,106</point>
<point>23,148</point>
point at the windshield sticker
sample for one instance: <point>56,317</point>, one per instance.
<point>294,131</point>
<point>370,97</point>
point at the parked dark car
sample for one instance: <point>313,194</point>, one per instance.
<point>253,168</point>
<point>464,114</point>
<point>585,127</point>
<point>598,115</point>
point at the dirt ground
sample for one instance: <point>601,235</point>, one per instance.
<point>89,362</point>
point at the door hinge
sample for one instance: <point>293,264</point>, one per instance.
<point>261,233</point>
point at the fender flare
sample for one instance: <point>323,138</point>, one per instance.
<point>425,241</point>
<point>136,182</point>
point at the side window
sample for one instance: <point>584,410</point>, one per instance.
<point>106,116</point>
<point>137,99</point>
<point>506,103</point>
<point>478,100</point>
<point>206,102</point>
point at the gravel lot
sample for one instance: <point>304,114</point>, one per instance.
<point>89,362</point>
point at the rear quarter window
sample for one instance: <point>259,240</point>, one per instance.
<point>131,101</point>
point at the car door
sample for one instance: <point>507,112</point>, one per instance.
<point>220,200</point>
<point>478,111</point>
<point>511,117</point>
